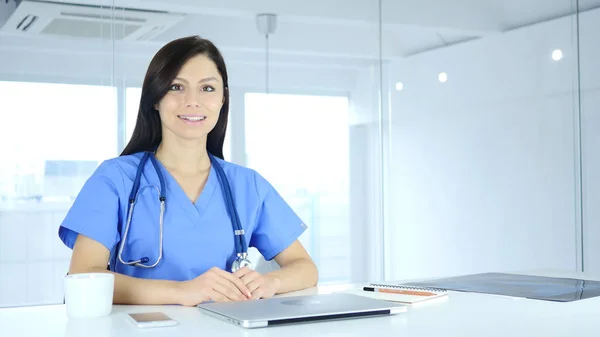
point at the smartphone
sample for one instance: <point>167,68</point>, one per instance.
<point>151,319</point>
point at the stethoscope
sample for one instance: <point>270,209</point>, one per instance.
<point>240,243</point>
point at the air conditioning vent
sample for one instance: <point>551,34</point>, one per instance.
<point>116,17</point>
<point>82,21</point>
<point>26,22</point>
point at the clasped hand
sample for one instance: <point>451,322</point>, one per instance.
<point>219,286</point>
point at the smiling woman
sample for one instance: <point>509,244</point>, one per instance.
<point>186,243</point>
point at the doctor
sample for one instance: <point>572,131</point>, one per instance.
<point>169,216</point>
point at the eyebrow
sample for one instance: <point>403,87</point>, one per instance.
<point>206,79</point>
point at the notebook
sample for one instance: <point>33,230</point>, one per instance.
<point>403,293</point>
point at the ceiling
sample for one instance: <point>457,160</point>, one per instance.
<point>329,34</point>
<point>334,27</point>
<point>351,27</point>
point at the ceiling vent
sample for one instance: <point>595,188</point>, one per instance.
<point>44,18</point>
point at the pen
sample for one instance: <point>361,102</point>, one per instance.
<point>401,292</point>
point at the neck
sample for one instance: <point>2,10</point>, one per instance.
<point>188,157</point>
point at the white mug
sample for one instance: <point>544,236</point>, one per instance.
<point>89,295</point>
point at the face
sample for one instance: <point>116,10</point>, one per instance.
<point>190,109</point>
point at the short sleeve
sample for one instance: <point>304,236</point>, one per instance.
<point>95,211</point>
<point>278,226</point>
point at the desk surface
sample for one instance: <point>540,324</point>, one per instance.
<point>461,314</point>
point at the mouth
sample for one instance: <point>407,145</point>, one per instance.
<point>192,118</point>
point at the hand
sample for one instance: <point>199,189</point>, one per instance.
<point>261,286</point>
<point>216,285</point>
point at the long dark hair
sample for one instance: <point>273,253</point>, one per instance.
<point>163,68</point>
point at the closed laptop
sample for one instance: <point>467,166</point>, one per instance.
<point>299,309</point>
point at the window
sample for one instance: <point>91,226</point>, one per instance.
<point>52,130</point>
<point>132,105</point>
<point>54,136</point>
<point>300,144</point>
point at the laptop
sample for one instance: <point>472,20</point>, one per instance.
<point>299,309</point>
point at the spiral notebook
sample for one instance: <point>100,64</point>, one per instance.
<point>403,293</point>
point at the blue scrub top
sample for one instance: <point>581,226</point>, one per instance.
<point>197,236</point>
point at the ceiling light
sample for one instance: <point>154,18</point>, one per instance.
<point>399,86</point>
<point>443,77</point>
<point>557,55</point>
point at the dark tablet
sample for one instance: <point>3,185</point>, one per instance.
<point>516,285</point>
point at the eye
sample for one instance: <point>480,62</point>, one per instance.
<point>176,87</point>
<point>208,88</point>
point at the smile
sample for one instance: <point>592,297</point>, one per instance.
<point>192,118</point>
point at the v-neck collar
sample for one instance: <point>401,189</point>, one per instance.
<point>176,196</point>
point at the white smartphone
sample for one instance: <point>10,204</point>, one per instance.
<point>151,319</point>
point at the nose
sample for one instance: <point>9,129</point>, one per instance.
<point>191,101</point>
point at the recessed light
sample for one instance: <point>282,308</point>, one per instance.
<point>443,77</point>
<point>399,86</point>
<point>557,55</point>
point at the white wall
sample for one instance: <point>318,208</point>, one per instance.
<point>591,174</point>
<point>484,168</point>
<point>590,117</point>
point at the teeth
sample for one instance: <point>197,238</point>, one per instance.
<point>193,119</point>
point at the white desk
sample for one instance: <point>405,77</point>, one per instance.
<point>462,314</point>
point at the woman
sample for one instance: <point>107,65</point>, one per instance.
<point>180,130</point>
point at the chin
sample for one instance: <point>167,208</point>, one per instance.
<point>193,137</point>
<point>187,132</point>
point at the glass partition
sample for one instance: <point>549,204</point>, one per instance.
<point>305,96</point>
<point>59,120</point>
<point>484,162</point>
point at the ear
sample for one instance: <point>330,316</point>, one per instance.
<point>155,106</point>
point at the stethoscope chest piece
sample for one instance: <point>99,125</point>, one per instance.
<point>240,262</point>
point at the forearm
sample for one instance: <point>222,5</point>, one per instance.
<point>296,275</point>
<point>131,290</point>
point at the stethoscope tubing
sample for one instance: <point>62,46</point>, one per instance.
<point>239,234</point>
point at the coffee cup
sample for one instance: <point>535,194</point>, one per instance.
<point>89,294</point>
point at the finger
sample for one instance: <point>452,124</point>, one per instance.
<point>217,297</point>
<point>250,277</point>
<point>241,272</point>
<point>238,283</point>
<point>257,294</point>
<point>228,289</point>
<point>233,287</point>
<point>262,291</point>
<point>220,275</point>
<point>255,284</point>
